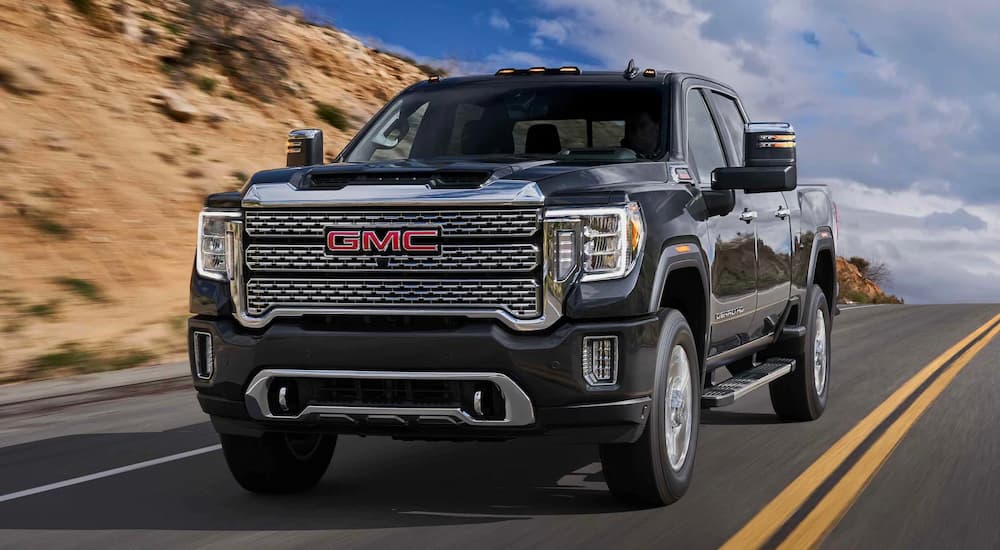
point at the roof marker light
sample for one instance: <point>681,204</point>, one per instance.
<point>649,73</point>
<point>569,69</point>
<point>507,70</point>
<point>536,70</point>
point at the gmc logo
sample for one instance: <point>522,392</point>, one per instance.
<point>396,240</point>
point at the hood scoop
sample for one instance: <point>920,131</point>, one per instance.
<point>434,179</point>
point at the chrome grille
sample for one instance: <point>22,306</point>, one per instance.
<point>522,222</point>
<point>454,258</point>
<point>519,297</point>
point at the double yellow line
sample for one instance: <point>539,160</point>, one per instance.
<point>831,506</point>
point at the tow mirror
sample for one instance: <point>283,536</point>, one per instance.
<point>305,147</point>
<point>769,161</point>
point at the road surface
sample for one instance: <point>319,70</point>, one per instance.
<point>924,474</point>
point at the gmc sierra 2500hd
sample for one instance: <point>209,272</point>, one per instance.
<point>541,251</point>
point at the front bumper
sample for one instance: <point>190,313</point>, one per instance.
<point>545,366</point>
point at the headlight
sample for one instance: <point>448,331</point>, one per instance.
<point>214,258</point>
<point>611,237</point>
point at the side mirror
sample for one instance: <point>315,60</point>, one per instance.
<point>719,203</point>
<point>769,161</point>
<point>305,147</point>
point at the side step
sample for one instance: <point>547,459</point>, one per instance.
<point>736,387</point>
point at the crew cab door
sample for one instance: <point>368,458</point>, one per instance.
<point>733,246</point>
<point>774,230</point>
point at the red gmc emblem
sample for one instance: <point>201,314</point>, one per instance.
<point>395,240</point>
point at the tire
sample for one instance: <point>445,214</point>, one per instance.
<point>278,463</point>
<point>802,395</point>
<point>646,472</point>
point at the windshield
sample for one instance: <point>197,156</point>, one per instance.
<point>498,118</point>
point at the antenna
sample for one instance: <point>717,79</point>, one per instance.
<point>631,71</point>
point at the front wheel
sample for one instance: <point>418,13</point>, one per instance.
<point>802,395</point>
<point>656,469</point>
<point>278,462</point>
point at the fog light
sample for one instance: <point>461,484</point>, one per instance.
<point>204,357</point>
<point>600,360</point>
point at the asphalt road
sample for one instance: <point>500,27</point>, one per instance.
<point>939,487</point>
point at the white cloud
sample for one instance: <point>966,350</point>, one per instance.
<point>498,21</point>
<point>939,248</point>
<point>548,29</point>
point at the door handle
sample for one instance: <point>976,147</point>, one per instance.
<point>748,216</point>
<point>782,213</point>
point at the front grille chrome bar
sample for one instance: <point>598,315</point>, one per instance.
<point>493,258</point>
<point>517,204</point>
<point>518,410</point>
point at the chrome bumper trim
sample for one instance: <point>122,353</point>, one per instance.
<point>498,193</point>
<point>518,408</point>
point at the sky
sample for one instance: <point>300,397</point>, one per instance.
<point>896,103</point>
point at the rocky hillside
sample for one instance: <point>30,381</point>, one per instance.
<point>856,288</point>
<point>116,118</point>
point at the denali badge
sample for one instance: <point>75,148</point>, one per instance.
<point>407,241</point>
<point>729,313</point>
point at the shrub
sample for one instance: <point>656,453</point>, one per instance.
<point>42,310</point>
<point>206,84</point>
<point>83,7</point>
<point>172,28</point>
<point>69,355</point>
<point>81,287</point>
<point>332,115</point>
<point>218,32</point>
<point>50,226</point>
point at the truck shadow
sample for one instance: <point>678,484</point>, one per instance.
<point>729,418</point>
<point>371,483</point>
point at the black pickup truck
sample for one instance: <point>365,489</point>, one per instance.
<point>540,251</point>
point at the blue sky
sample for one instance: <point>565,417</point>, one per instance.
<point>897,103</point>
<point>444,29</point>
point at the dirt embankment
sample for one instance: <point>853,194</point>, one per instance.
<point>858,289</point>
<point>116,119</point>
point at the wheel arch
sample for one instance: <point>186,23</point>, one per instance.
<point>823,267</point>
<point>682,283</point>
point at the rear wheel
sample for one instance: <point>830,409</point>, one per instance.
<point>656,470</point>
<point>802,395</point>
<point>278,462</point>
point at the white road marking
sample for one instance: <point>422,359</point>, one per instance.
<point>107,473</point>
<point>848,308</point>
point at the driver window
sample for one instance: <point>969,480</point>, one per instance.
<point>395,140</point>
<point>704,146</point>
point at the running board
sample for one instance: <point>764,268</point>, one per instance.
<point>736,387</point>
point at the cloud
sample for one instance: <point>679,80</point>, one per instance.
<point>498,21</point>
<point>809,37</point>
<point>548,30</point>
<point>862,46</point>
<point>960,218</point>
<point>938,248</point>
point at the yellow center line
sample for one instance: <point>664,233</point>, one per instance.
<point>766,523</point>
<point>832,508</point>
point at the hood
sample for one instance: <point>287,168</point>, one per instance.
<point>553,177</point>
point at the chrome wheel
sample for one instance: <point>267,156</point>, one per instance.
<point>820,365</point>
<point>678,407</point>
